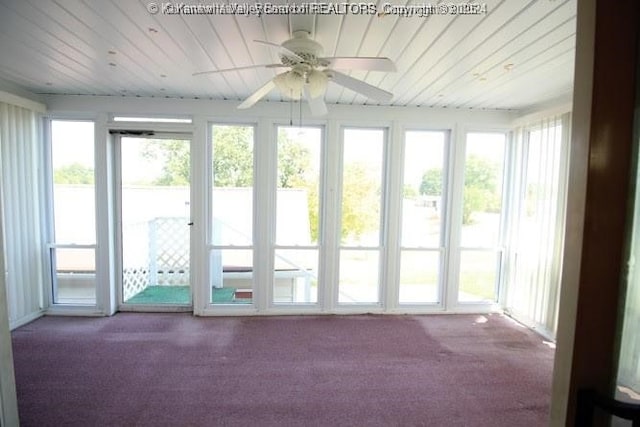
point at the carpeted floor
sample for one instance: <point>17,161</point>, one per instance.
<point>137,369</point>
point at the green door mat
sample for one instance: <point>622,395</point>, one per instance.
<point>162,295</point>
<point>180,295</point>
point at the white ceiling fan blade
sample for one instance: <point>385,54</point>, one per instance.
<point>257,95</point>
<point>317,105</point>
<point>248,67</point>
<point>360,63</point>
<point>361,87</point>
<point>281,50</point>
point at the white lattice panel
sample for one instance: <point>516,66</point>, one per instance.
<point>155,253</point>
<point>134,281</point>
<point>169,251</point>
<point>135,259</point>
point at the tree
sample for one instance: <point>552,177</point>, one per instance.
<point>431,184</point>
<point>175,153</point>
<point>74,173</point>
<point>360,202</point>
<point>294,162</point>
<point>233,156</point>
<point>233,167</point>
<point>480,187</point>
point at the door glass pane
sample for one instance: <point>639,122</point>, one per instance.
<point>482,198</point>
<point>478,276</point>
<point>419,272</point>
<point>155,210</point>
<point>231,276</point>
<point>422,206</point>
<point>73,191</point>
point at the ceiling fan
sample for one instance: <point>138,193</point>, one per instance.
<point>308,73</point>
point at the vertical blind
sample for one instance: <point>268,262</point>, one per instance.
<point>536,240</point>
<point>20,191</point>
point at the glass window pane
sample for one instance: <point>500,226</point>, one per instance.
<point>298,203</point>
<point>72,159</point>
<point>231,276</point>
<point>296,276</point>
<point>478,276</point>
<point>482,199</point>
<point>73,192</point>
<point>74,275</point>
<point>358,276</point>
<point>361,187</point>
<point>232,196</point>
<point>424,156</point>
<point>419,277</point>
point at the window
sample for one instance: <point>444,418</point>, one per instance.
<point>231,248</point>
<point>423,213</point>
<point>481,232</point>
<point>73,243</point>
<point>361,215</point>
<point>297,215</point>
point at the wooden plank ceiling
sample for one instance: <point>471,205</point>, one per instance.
<point>515,54</point>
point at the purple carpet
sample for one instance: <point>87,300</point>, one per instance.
<point>178,370</point>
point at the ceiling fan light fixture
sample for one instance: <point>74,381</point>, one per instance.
<point>290,84</point>
<point>317,83</point>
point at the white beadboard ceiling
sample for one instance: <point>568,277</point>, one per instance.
<point>517,55</point>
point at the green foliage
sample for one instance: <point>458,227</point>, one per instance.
<point>431,184</point>
<point>233,156</point>
<point>175,154</point>
<point>233,167</point>
<point>360,202</point>
<point>294,171</point>
<point>409,192</point>
<point>481,192</point>
<point>74,173</point>
<point>294,162</point>
<point>314,209</point>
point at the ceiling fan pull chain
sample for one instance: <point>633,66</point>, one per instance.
<point>291,110</point>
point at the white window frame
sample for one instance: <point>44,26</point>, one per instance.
<point>52,245</point>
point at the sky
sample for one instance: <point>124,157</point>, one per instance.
<point>72,142</point>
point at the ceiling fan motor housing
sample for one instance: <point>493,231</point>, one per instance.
<point>303,46</point>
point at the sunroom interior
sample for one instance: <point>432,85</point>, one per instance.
<point>130,182</point>
<point>156,193</point>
